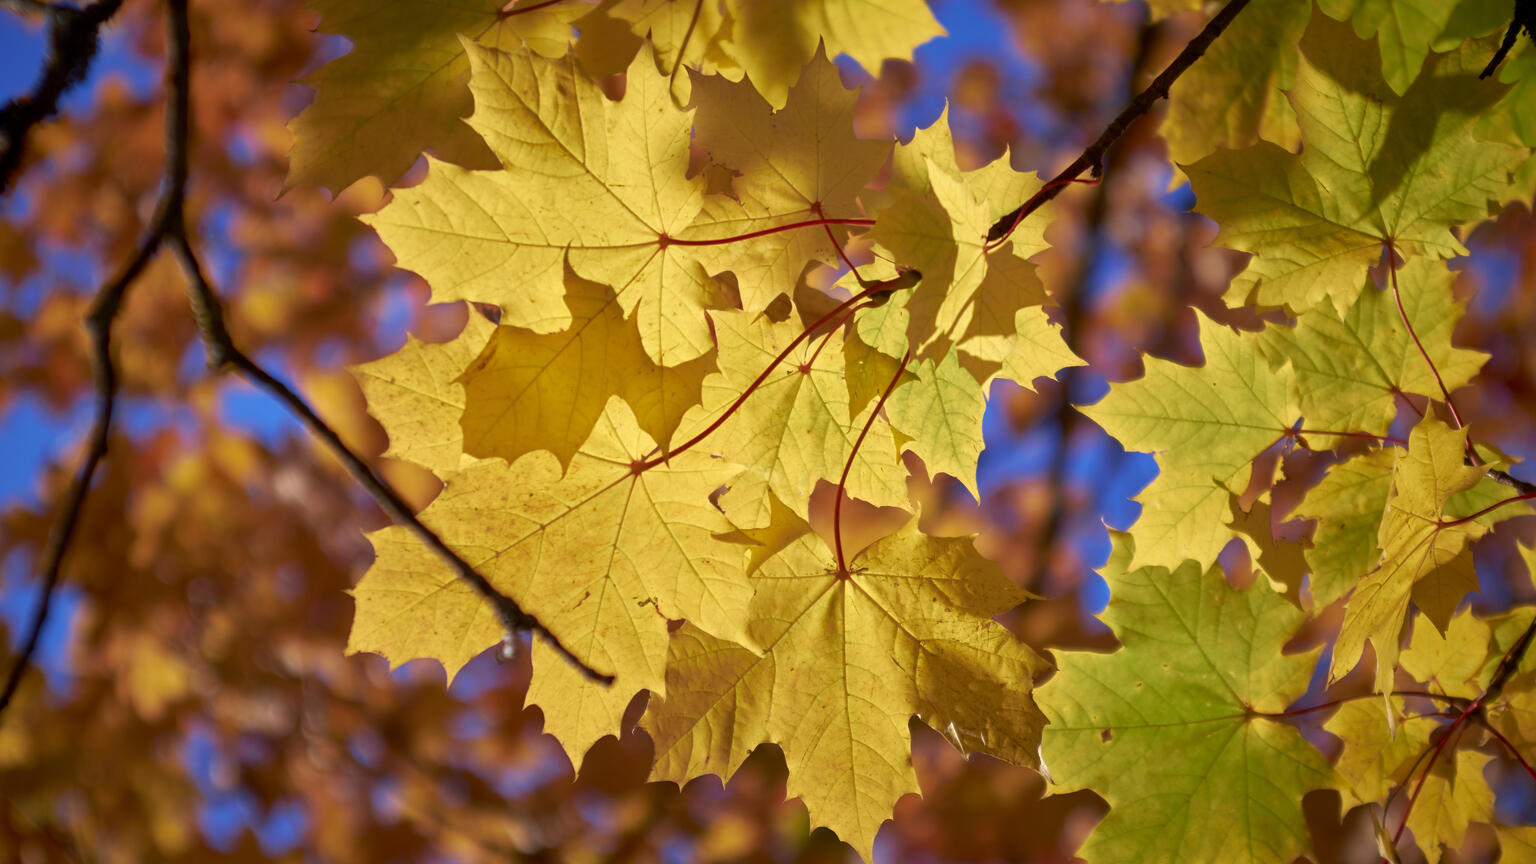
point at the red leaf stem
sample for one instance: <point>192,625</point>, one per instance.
<point>752,235</point>
<point>1444,393</point>
<point>757,382</point>
<point>842,482</point>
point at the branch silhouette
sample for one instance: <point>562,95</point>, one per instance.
<point>167,229</point>
<point>1093,157</point>
<point>72,41</point>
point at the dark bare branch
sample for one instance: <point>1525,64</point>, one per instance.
<point>72,40</point>
<point>1093,157</point>
<point>103,312</point>
<point>223,354</point>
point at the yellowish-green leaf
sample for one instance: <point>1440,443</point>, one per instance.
<point>602,555</point>
<point>415,396</point>
<point>1171,728</point>
<point>1347,505</point>
<point>1416,541</point>
<point>793,430</point>
<point>1377,753</point>
<point>1375,168</point>
<point>1349,368</point>
<point>1454,794</point>
<point>1205,425</point>
<point>402,87</point>
<point>532,391</point>
<point>1450,661</point>
<point>941,412</point>
<point>1032,349</point>
<point>1233,96</point>
<point>846,661</point>
<point>1404,30</point>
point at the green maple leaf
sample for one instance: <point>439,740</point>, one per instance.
<point>1205,425</point>
<point>601,554</point>
<point>846,661</point>
<point>1171,729</point>
<point>1375,169</point>
<point>1349,368</point>
<point>1404,30</point>
<point>941,412</point>
<point>1348,506</point>
<point>402,88</point>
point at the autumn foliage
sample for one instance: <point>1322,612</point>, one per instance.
<point>665,345</point>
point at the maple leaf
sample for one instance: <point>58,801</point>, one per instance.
<point>1454,793</point>
<point>1375,169</point>
<point>531,391</point>
<point>1349,368</point>
<point>1176,729</point>
<point>936,222</point>
<point>589,181</point>
<point>794,165</point>
<point>402,87</point>
<point>847,658</point>
<point>795,429</point>
<point>941,413</point>
<point>415,395</point>
<point>1234,95</point>
<point>1377,753</point>
<point>1347,505</point>
<point>1205,424</point>
<point>682,34</point>
<point>1404,30</point>
<point>602,553</point>
<point>1417,543</point>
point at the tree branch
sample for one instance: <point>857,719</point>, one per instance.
<point>224,355</point>
<point>167,228</point>
<point>1093,156</point>
<point>103,312</point>
<point>72,33</point>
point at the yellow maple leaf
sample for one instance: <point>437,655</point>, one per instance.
<point>544,391</point>
<point>797,164</point>
<point>601,553</point>
<point>795,429</point>
<point>600,184</point>
<point>402,87</point>
<point>415,395</point>
<point>847,660</point>
<point>1416,544</point>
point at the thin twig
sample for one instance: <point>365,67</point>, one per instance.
<point>223,354</point>
<point>72,40</point>
<point>103,312</point>
<point>1093,156</point>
